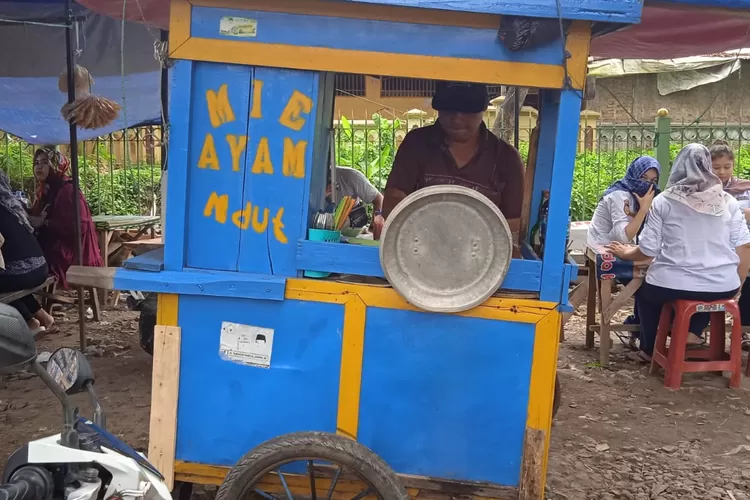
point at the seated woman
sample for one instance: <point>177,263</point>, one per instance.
<point>25,266</point>
<point>624,205</point>
<point>620,214</point>
<point>53,216</point>
<point>699,242</point>
<point>722,162</point>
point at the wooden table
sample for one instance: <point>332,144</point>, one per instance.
<point>109,227</point>
<point>601,286</point>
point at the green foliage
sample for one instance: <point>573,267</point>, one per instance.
<point>110,187</point>
<point>372,153</point>
<point>370,149</point>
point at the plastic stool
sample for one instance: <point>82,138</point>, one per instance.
<point>710,359</point>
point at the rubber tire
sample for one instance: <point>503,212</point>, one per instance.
<point>557,401</point>
<point>318,445</point>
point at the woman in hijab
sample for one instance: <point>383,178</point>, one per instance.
<point>624,205</point>
<point>620,214</point>
<point>53,216</point>
<point>698,240</point>
<point>24,264</point>
<point>722,163</point>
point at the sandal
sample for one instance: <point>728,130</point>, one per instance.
<point>695,342</point>
<point>639,357</point>
<point>52,329</point>
<point>39,332</point>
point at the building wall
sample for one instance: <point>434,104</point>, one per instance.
<point>639,95</point>
<point>362,108</point>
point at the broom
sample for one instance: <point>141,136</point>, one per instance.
<point>87,111</point>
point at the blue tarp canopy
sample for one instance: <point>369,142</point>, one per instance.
<point>34,57</point>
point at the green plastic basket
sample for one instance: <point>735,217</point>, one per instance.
<point>326,236</point>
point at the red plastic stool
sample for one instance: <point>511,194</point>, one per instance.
<point>710,359</point>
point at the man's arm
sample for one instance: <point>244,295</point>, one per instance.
<point>404,175</point>
<point>393,197</point>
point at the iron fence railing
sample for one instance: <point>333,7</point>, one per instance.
<point>116,183</point>
<point>114,180</point>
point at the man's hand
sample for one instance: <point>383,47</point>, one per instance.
<point>377,226</point>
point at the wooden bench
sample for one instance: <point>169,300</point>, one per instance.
<point>7,298</point>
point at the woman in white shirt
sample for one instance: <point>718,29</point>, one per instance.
<point>722,163</point>
<point>699,242</point>
<point>620,213</point>
<point>624,205</point>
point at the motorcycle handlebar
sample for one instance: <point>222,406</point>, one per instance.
<point>19,490</point>
<point>28,483</point>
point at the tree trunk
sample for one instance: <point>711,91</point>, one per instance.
<point>504,125</point>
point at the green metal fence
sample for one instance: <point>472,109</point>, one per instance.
<point>114,183</point>
<point>604,150</point>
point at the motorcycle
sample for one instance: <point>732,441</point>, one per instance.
<point>84,461</point>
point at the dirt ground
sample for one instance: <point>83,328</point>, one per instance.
<point>619,433</point>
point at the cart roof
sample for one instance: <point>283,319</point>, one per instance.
<point>667,29</point>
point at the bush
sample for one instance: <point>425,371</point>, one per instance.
<point>110,188</point>
<point>373,152</point>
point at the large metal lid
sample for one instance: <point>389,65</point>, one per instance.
<point>446,248</point>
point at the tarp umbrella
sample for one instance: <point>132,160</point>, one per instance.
<point>41,33</point>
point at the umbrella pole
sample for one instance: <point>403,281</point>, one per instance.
<point>70,64</point>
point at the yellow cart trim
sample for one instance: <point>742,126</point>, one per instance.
<point>496,308</point>
<point>350,379</point>
<point>167,308</point>
<point>543,373</point>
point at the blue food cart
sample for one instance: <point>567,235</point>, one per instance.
<point>344,368</point>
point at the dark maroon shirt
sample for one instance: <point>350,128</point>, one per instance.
<point>496,171</point>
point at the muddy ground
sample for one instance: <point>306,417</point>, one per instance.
<point>619,434</point>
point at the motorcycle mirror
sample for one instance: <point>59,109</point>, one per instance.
<point>70,370</point>
<point>17,346</point>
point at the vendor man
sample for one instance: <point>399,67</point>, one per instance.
<point>458,149</point>
<point>352,183</point>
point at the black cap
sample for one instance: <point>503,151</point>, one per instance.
<point>460,97</point>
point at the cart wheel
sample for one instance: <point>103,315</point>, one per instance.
<point>313,464</point>
<point>558,397</point>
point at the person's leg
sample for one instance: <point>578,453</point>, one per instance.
<point>21,306</point>
<point>650,300</point>
<point>744,304</point>
<point>699,321</point>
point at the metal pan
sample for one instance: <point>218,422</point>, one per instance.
<point>446,248</point>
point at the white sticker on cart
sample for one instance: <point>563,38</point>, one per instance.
<point>238,26</point>
<point>245,344</point>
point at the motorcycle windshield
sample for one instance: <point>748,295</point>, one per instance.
<point>114,443</point>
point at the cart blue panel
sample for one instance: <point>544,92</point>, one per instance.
<point>383,36</point>
<point>278,199</point>
<point>622,11</point>
<point>225,409</point>
<point>445,395</point>
<point>215,177</point>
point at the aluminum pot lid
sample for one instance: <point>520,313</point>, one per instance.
<point>446,248</point>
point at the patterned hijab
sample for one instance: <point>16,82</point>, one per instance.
<point>11,203</point>
<point>693,183</point>
<point>632,182</point>
<point>59,165</point>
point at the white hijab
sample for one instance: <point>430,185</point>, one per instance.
<point>693,183</point>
